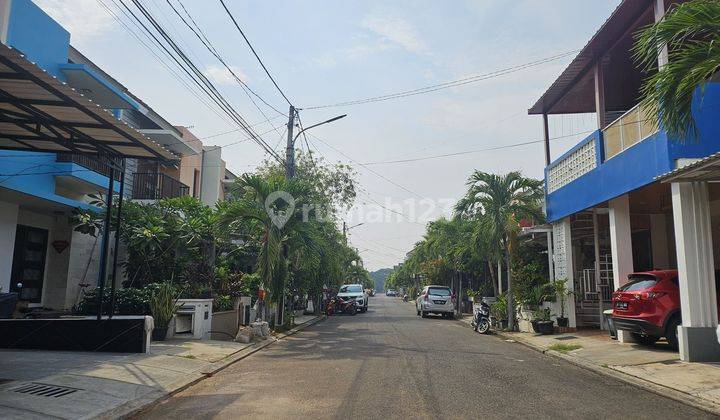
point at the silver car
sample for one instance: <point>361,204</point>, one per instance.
<point>357,292</point>
<point>436,300</point>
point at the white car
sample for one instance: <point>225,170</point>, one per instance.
<point>436,300</point>
<point>355,291</point>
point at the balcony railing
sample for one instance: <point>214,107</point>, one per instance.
<point>631,128</point>
<point>154,186</point>
<point>94,163</point>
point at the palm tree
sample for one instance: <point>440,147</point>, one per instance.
<point>497,203</point>
<point>277,240</point>
<point>691,33</point>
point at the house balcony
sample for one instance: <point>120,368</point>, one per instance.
<point>155,186</point>
<point>629,153</point>
<point>88,162</point>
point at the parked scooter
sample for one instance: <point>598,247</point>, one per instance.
<point>338,304</point>
<point>481,319</point>
<point>405,297</point>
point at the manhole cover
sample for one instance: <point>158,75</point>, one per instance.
<point>566,337</point>
<point>44,390</point>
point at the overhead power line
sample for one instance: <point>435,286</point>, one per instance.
<point>447,85</point>
<point>247,41</point>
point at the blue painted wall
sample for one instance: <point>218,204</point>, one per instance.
<point>38,36</point>
<point>640,164</point>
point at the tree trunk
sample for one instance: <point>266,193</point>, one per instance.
<point>510,302</point>
<point>492,278</point>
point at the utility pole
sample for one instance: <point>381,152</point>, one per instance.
<point>345,232</point>
<point>290,148</point>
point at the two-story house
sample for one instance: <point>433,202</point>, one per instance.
<point>41,257</point>
<point>611,215</point>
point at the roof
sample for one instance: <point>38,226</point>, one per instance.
<point>613,29</point>
<point>705,169</point>
<point>40,113</point>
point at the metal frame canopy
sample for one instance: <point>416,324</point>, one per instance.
<point>42,114</point>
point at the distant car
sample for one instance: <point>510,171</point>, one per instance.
<point>390,292</point>
<point>355,291</point>
<point>648,306</point>
<point>436,300</point>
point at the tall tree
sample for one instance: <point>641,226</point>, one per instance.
<point>691,34</point>
<point>497,203</point>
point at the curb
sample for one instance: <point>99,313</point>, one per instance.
<point>134,408</point>
<point>661,390</point>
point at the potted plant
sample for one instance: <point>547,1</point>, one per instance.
<point>475,296</point>
<point>562,292</point>
<point>163,305</point>
<point>542,323</point>
<point>498,310</point>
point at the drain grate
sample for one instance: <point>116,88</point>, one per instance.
<point>44,390</point>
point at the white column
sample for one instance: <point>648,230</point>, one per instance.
<point>8,227</point>
<point>659,242</point>
<point>564,269</point>
<point>696,272</point>
<point>596,251</point>
<point>621,246</point>
<point>551,268</point>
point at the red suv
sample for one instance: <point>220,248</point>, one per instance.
<point>648,306</point>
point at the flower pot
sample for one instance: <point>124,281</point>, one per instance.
<point>159,333</point>
<point>562,321</point>
<point>544,327</point>
<point>535,326</point>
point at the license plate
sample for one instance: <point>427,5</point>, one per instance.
<point>621,305</point>
<point>439,302</point>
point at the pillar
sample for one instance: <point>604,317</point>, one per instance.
<point>621,247</point>
<point>659,241</point>
<point>696,271</point>
<point>564,269</point>
<point>8,227</point>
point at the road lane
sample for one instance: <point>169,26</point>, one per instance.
<point>390,363</point>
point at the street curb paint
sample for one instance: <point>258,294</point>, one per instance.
<point>661,390</point>
<point>135,408</point>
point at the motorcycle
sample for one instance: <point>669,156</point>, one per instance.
<point>481,319</point>
<point>405,297</point>
<point>338,304</point>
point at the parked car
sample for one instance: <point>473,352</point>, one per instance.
<point>648,306</point>
<point>355,291</point>
<point>390,292</point>
<point>436,300</point>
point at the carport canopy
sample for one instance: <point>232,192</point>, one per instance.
<point>40,113</point>
<point>705,169</point>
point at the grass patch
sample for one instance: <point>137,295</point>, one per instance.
<point>564,348</point>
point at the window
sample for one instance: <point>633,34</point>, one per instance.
<point>439,291</point>
<point>639,282</point>
<point>196,183</point>
<point>352,288</point>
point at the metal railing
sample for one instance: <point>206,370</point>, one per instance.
<point>94,163</point>
<point>628,130</point>
<point>154,186</point>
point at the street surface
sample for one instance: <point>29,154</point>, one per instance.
<point>390,363</point>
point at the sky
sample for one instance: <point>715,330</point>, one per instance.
<point>326,52</point>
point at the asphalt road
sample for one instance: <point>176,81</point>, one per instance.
<point>390,363</point>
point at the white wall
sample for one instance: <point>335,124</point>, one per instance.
<point>212,175</point>
<point>8,227</point>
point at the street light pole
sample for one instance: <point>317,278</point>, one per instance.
<point>346,229</point>
<point>290,148</point>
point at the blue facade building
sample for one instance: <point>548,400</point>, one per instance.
<point>41,257</point>
<point>611,210</point>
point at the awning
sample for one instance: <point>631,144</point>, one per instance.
<point>560,98</point>
<point>42,114</point>
<point>705,169</point>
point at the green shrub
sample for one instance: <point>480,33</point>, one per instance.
<point>222,303</point>
<point>163,304</point>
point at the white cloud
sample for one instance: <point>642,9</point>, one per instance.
<point>84,19</point>
<point>222,76</point>
<point>395,30</point>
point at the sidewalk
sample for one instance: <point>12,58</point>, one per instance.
<point>111,385</point>
<point>655,368</point>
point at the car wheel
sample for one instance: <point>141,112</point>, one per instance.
<point>671,332</point>
<point>450,315</point>
<point>646,340</point>
<point>418,313</point>
<point>364,309</point>
<point>423,314</point>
